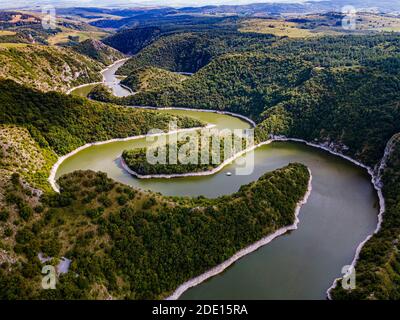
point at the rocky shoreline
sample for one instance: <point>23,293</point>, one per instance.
<point>236,115</point>
<point>52,176</point>
<point>221,267</point>
<point>376,182</point>
<point>102,74</point>
<point>375,179</point>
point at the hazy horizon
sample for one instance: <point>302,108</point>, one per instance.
<point>388,5</point>
<point>11,4</point>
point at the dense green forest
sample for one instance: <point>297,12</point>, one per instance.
<point>191,149</point>
<point>67,122</point>
<point>378,269</point>
<point>127,243</point>
<point>188,52</point>
<point>341,90</point>
<point>131,41</point>
<point>354,111</point>
<point>151,78</point>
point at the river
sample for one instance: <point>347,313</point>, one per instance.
<point>341,211</point>
<point>109,79</point>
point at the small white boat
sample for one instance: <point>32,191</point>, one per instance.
<point>229,174</point>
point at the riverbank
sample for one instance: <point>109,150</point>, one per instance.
<point>375,179</point>
<point>53,171</point>
<point>104,79</point>
<point>221,267</point>
<point>113,64</point>
<point>353,247</point>
<point>191,174</point>
<point>228,113</point>
<point>376,182</point>
<point>83,86</point>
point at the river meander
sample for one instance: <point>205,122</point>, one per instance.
<point>341,211</point>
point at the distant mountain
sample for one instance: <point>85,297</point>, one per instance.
<point>139,17</point>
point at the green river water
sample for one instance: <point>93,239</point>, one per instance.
<point>341,211</point>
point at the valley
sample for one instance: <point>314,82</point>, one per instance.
<point>76,108</point>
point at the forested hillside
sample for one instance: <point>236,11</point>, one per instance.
<point>151,78</point>
<point>340,90</point>
<point>131,41</point>
<point>355,111</point>
<point>174,52</point>
<point>190,51</point>
<point>98,51</point>
<point>20,153</point>
<point>378,269</point>
<point>47,68</point>
<point>129,244</point>
<point>67,122</point>
<point>243,83</point>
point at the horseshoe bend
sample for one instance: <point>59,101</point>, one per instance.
<point>314,218</point>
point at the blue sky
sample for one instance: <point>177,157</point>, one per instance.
<point>129,3</point>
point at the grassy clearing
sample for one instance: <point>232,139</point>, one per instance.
<point>278,28</point>
<point>65,35</point>
<point>83,91</point>
<point>7,33</point>
<point>370,22</point>
<point>13,45</point>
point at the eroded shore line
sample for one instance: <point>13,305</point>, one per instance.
<point>240,254</point>
<point>82,86</point>
<point>375,176</point>
<point>236,115</point>
<point>192,174</point>
<point>376,182</point>
<point>53,171</point>
<point>102,75</point>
